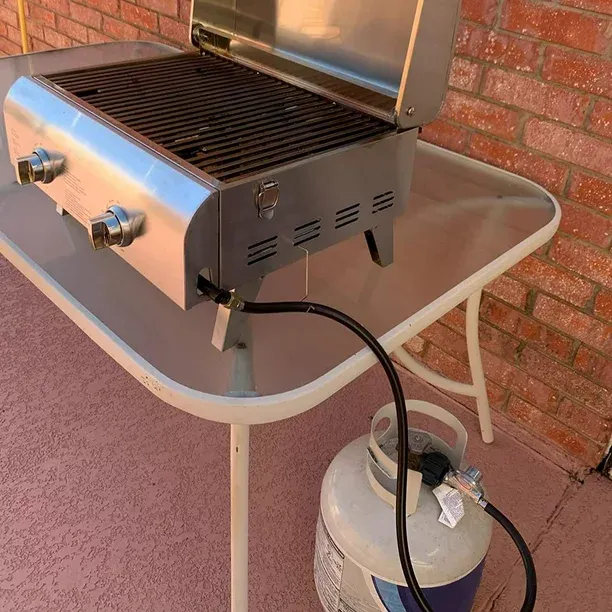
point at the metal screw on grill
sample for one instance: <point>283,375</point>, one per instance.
<point>410,112</point>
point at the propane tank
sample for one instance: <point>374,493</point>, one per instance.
<point>357,566</point>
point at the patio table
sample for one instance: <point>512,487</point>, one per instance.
<point>465,224</point>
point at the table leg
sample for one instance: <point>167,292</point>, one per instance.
<point>241,385</point>
<point>477,388</point>
<point>239,445</point>
<point>478,377</point>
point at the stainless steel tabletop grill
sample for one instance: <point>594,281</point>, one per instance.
<point>291,128</point>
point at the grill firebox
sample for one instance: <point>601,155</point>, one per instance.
<point>198,164</point>
<point>221,117</point>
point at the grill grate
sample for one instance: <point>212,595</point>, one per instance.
<point>226,119</point>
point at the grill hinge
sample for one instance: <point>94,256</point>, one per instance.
<point>206,41</point>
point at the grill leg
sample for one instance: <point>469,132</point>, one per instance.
<point>380,243</point>
<point>231,325</point>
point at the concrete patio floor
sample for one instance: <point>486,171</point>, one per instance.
<point>111,500</point>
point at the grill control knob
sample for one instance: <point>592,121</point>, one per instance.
<point>37,168</point>
<point>112,228</point>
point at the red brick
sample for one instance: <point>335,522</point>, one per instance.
<point>3,28</point>
<point>13,34</point>
<point>564,379</point>
<point>9,47</point>
<point>574,147</point>
<point>585,72</point>
<point>547,173</point>
<point>443,363</point>
<point>584,421</point>
<point>105,6</point>
<point>41,14</point>
<point>9,17</point>
<point>582,223</point>
<point>415,345</point>
<point>93,37</point>
<point>591,191</point>
<point>85,15</point>
<point>552,429</point>
<point>601,119</point>
<point>167,7</point>
<point>57,40</point>
<point>174,30</point>
<point>445,135</point>
<point>455,319</point>
<point>582,258</point>
<point>509,290</point>
<point>184,10</point>
<point>448,340</point>
<point>448,366</point>
<point>564,284</point>
<point>452,340</point>
<point>599,6</point>
<point>479,114</point>
<point>571,321</point>
<point>491,338</point>
<point>519,382</point>
<point>546,22</point>
<point>497,342</point>
<point>36,30</point>
<point>76,31</point>
<point>139,16</point>
<point>39,45</point>
<point>119,29</point>
<point>603,305</point>
<point>57,6</point>
<point>497,47</point>
<point>145,35</point>
<point>526,328</point>
<point>482,11</point>
<point>540,98</point>
<point>465,74</point>
<point>595,366</point>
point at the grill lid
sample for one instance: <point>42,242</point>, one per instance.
<point>399,49</point>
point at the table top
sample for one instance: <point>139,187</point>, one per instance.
<point>464,225</point>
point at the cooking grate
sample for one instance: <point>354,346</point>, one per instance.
<point>226,119</point>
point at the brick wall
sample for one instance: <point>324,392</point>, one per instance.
<point>64,23</point>
<point>530,91</point>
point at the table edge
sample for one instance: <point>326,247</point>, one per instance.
<point>276,407</point>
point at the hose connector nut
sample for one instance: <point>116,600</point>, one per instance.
<point>468,482</point>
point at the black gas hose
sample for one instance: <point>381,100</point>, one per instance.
<point>402,420</point>
<point>228,299</point>
<point>531,588</point>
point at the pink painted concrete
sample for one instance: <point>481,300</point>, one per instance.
<point>111,500</point>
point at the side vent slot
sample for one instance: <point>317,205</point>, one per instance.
<point>383,201</point>
<point>262,250</point>
<point>347,215</point>
<point>307,232</point>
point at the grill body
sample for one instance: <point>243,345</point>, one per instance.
<point>184,145</point>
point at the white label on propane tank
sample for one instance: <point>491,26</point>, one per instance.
<point>452,505</point>
<point>329,563</point>
<point>342,585</point>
